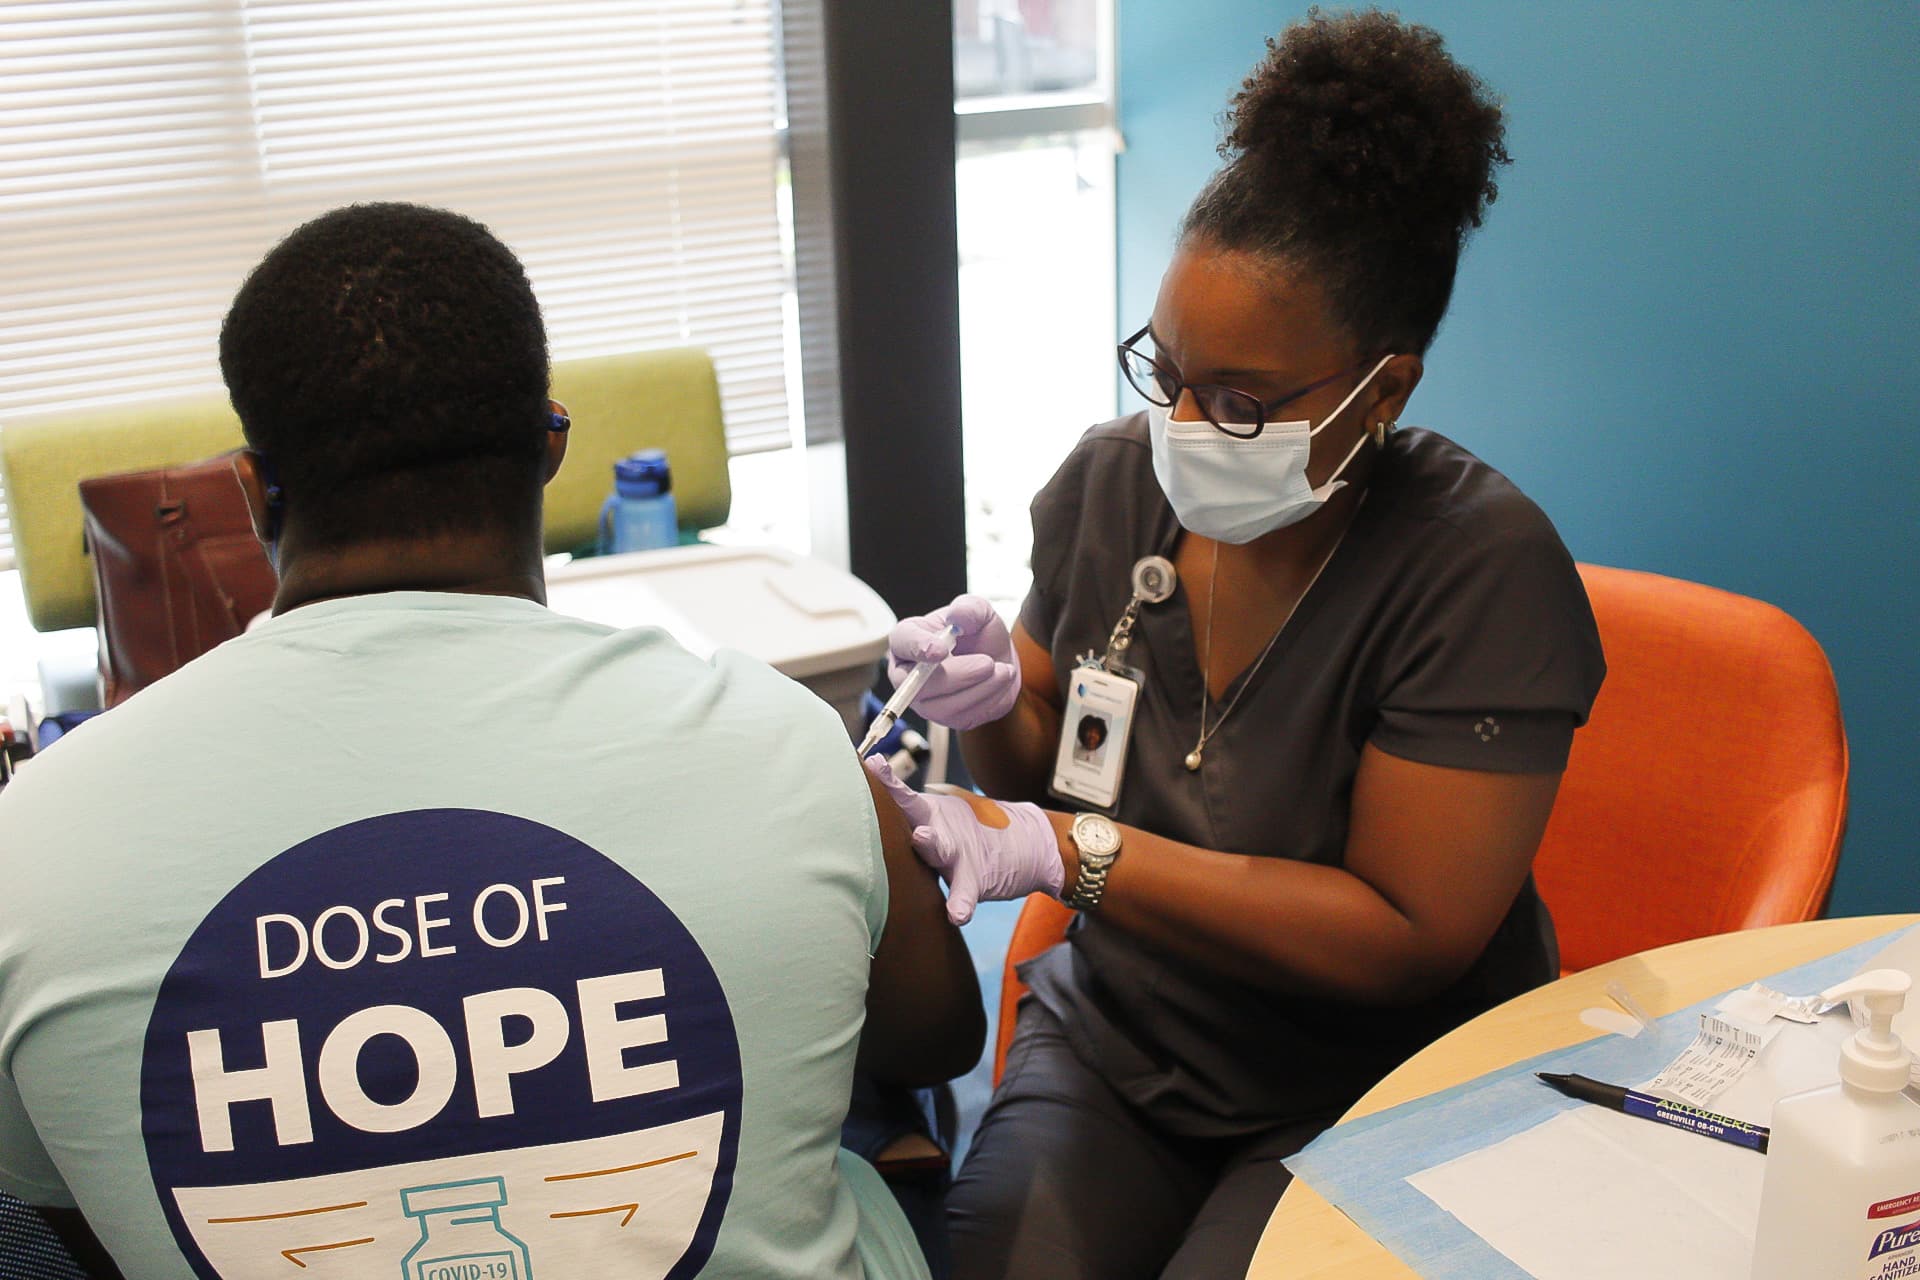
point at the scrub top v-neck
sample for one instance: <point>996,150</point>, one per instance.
<point>1448,627</point>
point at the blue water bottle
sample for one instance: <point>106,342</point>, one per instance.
<point>639,514</point>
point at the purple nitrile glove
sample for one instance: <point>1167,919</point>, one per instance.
<point>979,863</point>
<point>977,680</point>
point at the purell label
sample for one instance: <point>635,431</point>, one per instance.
<point>1894,1239</point>
<point>1895,1250</point>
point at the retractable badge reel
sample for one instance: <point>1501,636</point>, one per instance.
<point>1097,724</point>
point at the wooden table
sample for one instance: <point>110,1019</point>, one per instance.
<point>1308,1239</point>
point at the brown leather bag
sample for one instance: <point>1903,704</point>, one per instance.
<point>176,568</point>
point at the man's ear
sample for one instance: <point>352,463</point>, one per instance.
<point>556,454</point>
<point>263,497</point>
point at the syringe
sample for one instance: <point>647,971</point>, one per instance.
<point>904,695</point>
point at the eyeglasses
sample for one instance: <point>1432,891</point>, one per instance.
<point>1239,414</point>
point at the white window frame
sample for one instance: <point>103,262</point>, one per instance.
<point>999,118</point>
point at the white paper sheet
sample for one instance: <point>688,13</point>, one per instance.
<point>1592,1194</point>
<point>1596,1195</point>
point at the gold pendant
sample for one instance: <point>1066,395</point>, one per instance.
<point>1193,760</point>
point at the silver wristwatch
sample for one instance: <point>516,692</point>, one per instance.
<point>1098,843</point>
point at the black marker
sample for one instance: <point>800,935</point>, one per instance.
<point>1647,1107</point>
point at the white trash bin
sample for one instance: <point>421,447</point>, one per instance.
<point>806,619</point>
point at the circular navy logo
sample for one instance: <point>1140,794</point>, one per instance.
<point>442,1045</point>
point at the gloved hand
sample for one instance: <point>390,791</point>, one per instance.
<point>977,682</point>
<point>979,863</point>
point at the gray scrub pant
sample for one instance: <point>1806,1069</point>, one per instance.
<point>1065,1179</point>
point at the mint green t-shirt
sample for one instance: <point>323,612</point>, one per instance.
<point>443,937</point>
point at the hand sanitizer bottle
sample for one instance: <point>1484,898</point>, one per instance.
<point>1842,1192</point>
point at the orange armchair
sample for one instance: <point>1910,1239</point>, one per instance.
<point>1043,921</point>
<point>1706,794</point>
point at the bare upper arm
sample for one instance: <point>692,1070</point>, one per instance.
<point>925,1023</point>
<point>1447,848</point>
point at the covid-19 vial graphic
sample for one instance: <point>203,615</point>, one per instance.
<point>460,1233</point>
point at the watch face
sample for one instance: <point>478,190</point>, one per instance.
<point>1095,835</point>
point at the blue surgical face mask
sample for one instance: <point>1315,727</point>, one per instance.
<point>1236,490</point>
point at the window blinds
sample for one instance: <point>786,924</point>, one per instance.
<point>151,152</point>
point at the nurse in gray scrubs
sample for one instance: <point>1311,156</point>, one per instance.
<point>1334,729</point>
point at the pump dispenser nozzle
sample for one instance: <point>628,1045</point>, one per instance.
<point>1875,1058</point>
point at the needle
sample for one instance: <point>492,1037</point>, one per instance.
<point>904,695</point>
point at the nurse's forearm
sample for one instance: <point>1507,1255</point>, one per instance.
<point>1433,861</point>
<point>1279,924</point>
<point>1012,758</point>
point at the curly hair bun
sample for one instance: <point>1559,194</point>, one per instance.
<point>1370,127</point>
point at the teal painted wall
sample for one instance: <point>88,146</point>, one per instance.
<point>1691,326</point>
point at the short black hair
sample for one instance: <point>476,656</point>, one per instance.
<point>390,363</point>
<point>1361,152</point>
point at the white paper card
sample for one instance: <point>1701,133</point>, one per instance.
<point>1722,1051</point>
<point>1094,731</point>
<point>1758,1003</point>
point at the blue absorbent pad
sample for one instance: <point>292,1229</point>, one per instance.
<point>1361,1167</point>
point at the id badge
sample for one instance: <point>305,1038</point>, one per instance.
<point>1094,731</point>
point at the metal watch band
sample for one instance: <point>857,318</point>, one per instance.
<point>1090,884</point>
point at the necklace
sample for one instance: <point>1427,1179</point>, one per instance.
<point>1193,760</point>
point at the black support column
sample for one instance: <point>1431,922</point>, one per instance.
<point>870,110</point>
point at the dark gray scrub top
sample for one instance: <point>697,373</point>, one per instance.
<point>1450,627</point>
